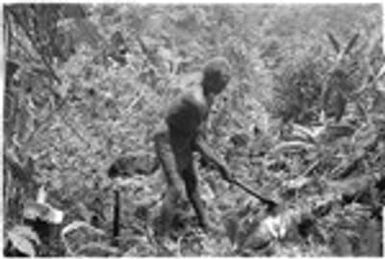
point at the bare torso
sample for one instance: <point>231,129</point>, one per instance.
<point>187,115</point>
<point>185,118</point>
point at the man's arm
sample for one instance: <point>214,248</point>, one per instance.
<point>202,147</point>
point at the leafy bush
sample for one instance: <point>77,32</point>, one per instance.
<point>297,90</point>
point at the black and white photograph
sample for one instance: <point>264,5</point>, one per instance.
<point>193,129</point>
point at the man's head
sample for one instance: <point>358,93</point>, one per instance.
<point>216,75</point>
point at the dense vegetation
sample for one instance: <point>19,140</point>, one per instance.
<point>88,84</point>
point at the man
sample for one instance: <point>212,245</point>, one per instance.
<point>183,133</point>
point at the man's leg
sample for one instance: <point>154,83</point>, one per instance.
<point>173,192</point>
<point>191,183</point>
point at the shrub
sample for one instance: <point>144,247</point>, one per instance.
<point>298,86</point>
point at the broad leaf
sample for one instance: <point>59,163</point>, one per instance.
<point>34,210</point>
<point>80,224</point>
<point>26,232</point>
<point>351,43</point>
<point>334,42</point>
<point>292,146</point>
<point>22,244</point>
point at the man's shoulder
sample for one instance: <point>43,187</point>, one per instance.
<point>186,81</point>
<point>192,96</point>
<point>190,104</point>
<point>189,97</point>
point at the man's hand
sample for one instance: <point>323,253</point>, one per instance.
<point>202,147</point>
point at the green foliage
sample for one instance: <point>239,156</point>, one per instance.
<point>296,95</point>
<point>23,239</point>
<point>39,22</point>
<point>76,104</point>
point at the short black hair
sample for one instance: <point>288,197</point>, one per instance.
<point>217,66</point>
